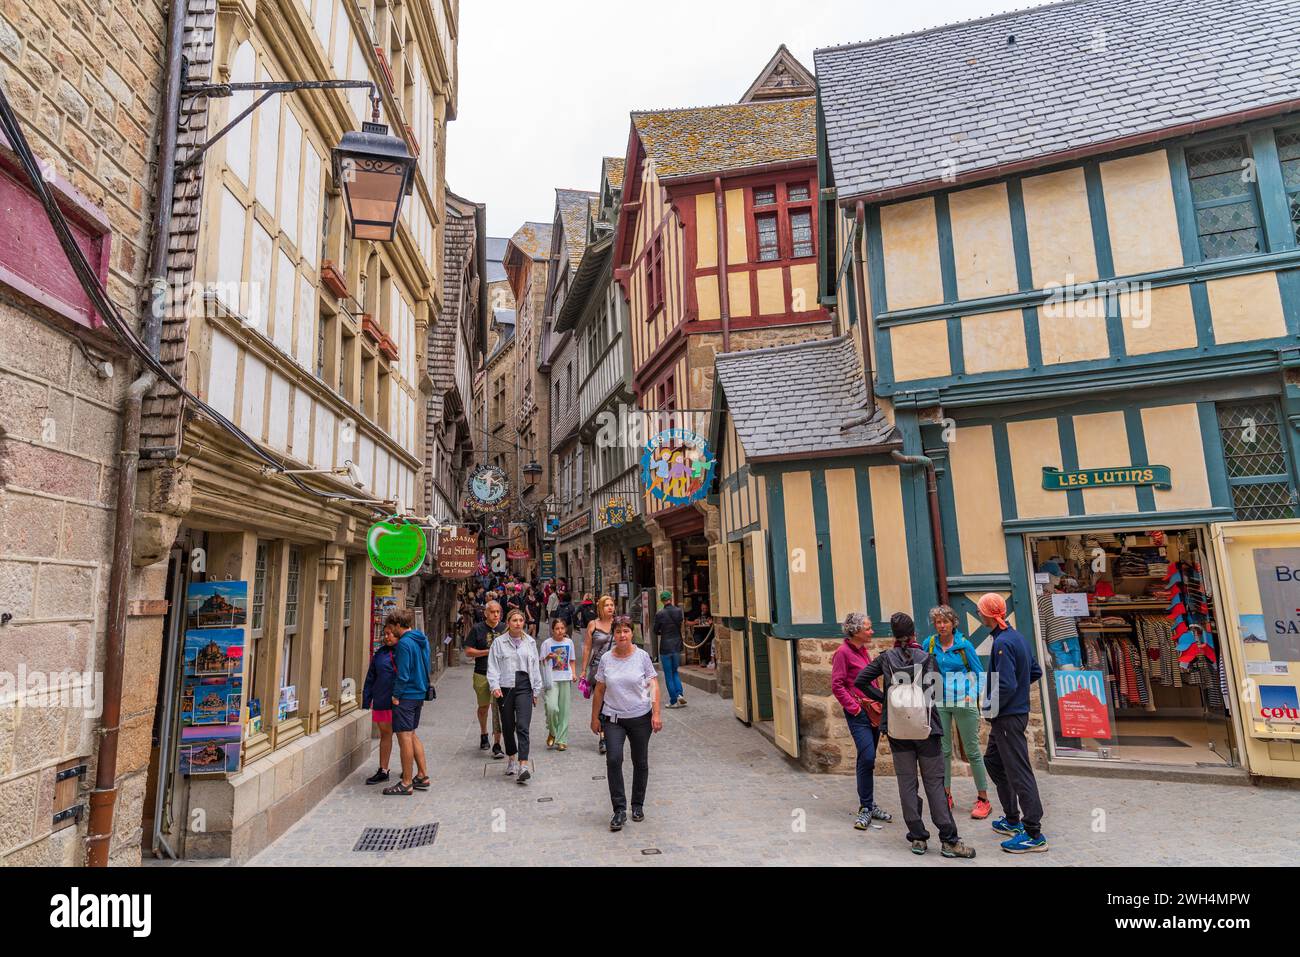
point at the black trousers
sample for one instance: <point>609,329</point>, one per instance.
<point>917,765</point>
<point>637,732</point>
<point>516,706</point>
<point>1007,760</point>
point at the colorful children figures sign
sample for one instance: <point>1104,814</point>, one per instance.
<point>212,677</point>
<point>677,466</point>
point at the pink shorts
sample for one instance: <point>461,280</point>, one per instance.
<point>382,717</point>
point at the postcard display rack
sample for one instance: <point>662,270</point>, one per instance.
<point>212,678</point>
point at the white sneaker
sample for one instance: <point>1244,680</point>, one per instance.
<point>681,700</point>
<point>512,767</point>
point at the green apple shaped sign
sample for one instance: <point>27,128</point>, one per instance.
<point>396,548</point>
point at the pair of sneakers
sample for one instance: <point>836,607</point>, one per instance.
<point>955,849</point>
<point>1019,840</point>
<point>868,814</point>
<point>679,703</point>
<point>523,771</point>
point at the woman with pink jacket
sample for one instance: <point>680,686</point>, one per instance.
<point>861,712</point>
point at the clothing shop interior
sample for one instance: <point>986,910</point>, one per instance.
<point>1139,623</point>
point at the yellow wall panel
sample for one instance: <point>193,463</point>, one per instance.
<point>1035,444</point>
<point>801,549</point>
<point>911,242</point>
<point>803,287</point>
<point>984,257</point>
<point>1073,331</point>
<point>738,294</point>
<point>1101,440</point>
<point>994,341</point>
<point>1246,307</point>
<point>1157,320</point>
<point>706,231</point>
<point>920,350</point>
<point>893,572</point>
<point>771,291</point>
<point>846,542</point>
<point>737,251</point>
<point>706,297</point>
<point>1060,228</point>
<point>1140,213</point>
<point>1173,438</point>
<point>975,495</point>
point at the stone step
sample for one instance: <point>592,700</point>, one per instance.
<point>697,677</point>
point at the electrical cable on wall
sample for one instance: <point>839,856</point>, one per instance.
<point>98,297</point>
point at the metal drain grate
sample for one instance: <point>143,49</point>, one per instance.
<point>396,838</point>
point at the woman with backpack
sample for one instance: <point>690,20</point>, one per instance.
<point>377,696</point>
<point>861,713</point>
<point>959,716</point>
<point>911,721</point>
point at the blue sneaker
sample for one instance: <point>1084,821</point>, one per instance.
<point>1022,843</point>
<point>1003,826</point>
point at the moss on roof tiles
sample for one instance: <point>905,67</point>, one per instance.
<point>614,170</point>
<point>533,240</point>
<point>717,138</point>
<point>573,204</point>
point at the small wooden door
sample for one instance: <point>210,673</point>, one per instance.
<point>785,697</point>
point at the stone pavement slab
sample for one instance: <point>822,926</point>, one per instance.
<point>721,794</point>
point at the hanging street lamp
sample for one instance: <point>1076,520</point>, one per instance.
<point>375,170</point>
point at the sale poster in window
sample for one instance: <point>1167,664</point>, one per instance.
<point>1277,570</point>
<point>1081,704</point>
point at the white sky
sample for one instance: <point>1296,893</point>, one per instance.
<point>546,86</point>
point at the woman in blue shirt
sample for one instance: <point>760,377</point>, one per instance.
<point>961,671</point>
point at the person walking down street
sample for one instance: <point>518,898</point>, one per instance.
<point>477,646</point>
<point>1012,673</point>
<point>564,611</point>
<point>600,638</point>
<point>410,689</point>
<point>861,713</point>
<point>584,614</point>
<point>911,721</point>
<point>377,695</point>
<point>557,672</point>
<point>625,709</point>
<point>961,671</point>
<point>533,610</point>
<point>668,631</point>
<point>552,600</point>
<point>515,676</point>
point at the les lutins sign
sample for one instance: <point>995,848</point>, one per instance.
<point>1157,476</point>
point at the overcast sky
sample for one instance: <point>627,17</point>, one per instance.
<point>546,86</point>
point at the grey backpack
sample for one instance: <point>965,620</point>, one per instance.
<point>909,712</point>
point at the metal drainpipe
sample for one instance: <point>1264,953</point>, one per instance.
<point>936,527</point>
<point>860,295</point>
<point>104,797</point>
<point>176,581</point>
<point>724,291</point>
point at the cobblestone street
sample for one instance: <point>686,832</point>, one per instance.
<point>720,794</point>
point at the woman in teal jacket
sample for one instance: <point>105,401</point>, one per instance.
<point>959,664</point>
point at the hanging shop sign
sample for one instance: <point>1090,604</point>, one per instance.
<point>552,526</point>
<point>518,541</point>
<point>212,677</point>
<point>457,553</point>
<point>677,466</point>
<point>489,489</point>
<point>546,569</point>
<point>616,513</point>
<point>1277,570</point>
<point>1081,704</point>
<point>396,548</point>
<point>1157,476</point>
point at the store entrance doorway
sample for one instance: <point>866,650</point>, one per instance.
<point>1128,635</point>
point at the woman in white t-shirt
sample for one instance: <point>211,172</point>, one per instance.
<point>625,706</point>
<point>557,674</point>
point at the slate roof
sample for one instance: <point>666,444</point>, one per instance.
<point>904,110</point>
<point>533,240</point>
<point>792,400</point>
<point>572,205</point>
<point>614,170</point>
<point>712,139</point>
<point>496,254</point>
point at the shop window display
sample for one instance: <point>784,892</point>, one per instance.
<point>1127,629</point>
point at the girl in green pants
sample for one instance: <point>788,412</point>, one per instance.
<point>959,714</point>
<point>557,656</point>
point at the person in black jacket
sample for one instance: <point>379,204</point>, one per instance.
<point>917,762</point>
<point>377,695</point>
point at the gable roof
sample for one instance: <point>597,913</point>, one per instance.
<point>792,401</point>
<point>496,254</point>
<point>571,207</point>
<point>783,77</point>
<point>613,171</point>
<point>533,240</point>
<point>1052,81</point>
<point>716,139</point>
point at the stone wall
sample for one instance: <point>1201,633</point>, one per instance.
<point>827,745</point>
<point>84,77</point>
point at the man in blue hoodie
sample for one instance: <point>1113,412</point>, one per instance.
<point>1012,673</point>
<point>410,688</point>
